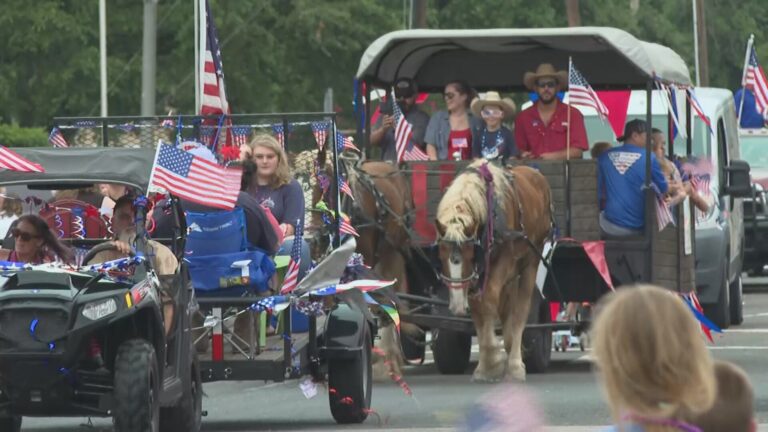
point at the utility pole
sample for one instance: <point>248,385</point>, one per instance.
<point>149,58</point>
<point>573,13</point>
<point>419,14</point>
<point>703,57</point>
<point>103,54</point>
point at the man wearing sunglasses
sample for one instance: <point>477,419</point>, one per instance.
<point>541,131</point>
<point>384,133</point>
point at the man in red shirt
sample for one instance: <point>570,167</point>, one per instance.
<point>541,131</point>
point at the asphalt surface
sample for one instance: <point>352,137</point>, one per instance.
<point>568,393</point>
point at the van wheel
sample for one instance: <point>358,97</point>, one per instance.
<point>11,424</point>
<point>186,415</point>
<point>736,302</point>
<point>720,312</point>
<point>136,388</point>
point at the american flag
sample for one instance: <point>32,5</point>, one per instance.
<point>14,162</point>
<point>581,93</point>
<point>240,135</point>
<point>56,138</point>
<point>415,154</point>
<point>344,188</point>
<point>344,142</point>
<point>279,132</point>
<point>292,274</point>
<point>403,130</point>
<point>697,108</point>
<point>206,135</point>
<point>214,99</point>
<point>345,226</point>
<point>272,303</point>
<point>663,213</point>
<point>756,81</point>
<point>320,131</point>
<point>194,178</point>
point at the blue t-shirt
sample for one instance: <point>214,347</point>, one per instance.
<point>496,145</point>
<point>626,427</point>
<point>285,202</point>
<point>620,180</point>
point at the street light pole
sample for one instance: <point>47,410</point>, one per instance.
<point>149,58</point>
<point>103,54</point>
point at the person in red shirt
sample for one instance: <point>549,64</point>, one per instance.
<point>541,131</point>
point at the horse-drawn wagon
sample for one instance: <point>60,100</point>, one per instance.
<point>584,264</point>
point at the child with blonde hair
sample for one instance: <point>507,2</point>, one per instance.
<point>654,367</point>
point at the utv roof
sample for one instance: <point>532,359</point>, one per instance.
<point>73,166</point>
<point>498,58</point>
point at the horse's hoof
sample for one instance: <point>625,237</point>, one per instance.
<point>490,375</point>
<point>516,373</point>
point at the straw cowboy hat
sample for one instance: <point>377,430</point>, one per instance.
<point>493,98</point>
<point>545,70</point>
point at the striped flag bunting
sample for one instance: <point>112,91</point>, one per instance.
<point>581,93</point>
<point>279,132</point>
<point>364,285</point>
<point>273,304</point>
<point>291,279</point>
<point>168,123</point>
<point>344,142</point>
<point>403,129</point>
<point>345,225</point>
<point>206,135</point>
<point>756,81</point>
<point>344,188</point>
<point>56,138</point>
<point>240,135</point>
<point>390,310</point>
<point>320,131</point>
<point>12,161</point>
<point>194,178</point>
<point>707,326</point>
<point>698,109</point>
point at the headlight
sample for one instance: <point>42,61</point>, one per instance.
<point>758,187</point>
<point>99,309</point>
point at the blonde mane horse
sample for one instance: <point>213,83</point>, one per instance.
<point>497,282</point>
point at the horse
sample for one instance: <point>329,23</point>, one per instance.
<point>492,223</point>
<point>380,213</point>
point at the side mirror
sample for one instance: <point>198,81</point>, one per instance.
<point>739,184</point>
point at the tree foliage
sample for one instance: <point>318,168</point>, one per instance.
<point>281,55</point>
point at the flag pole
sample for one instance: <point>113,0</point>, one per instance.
<point>750,43</point>
<point>154,164</point>
<point>568,130</point>
<point>196,37</point>
<point>203,34</point>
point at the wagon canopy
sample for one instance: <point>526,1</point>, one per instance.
<point>498,58</point>
<point>73,166</point>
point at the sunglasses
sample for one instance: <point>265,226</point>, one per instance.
<point>550,84</point>
<point>449,95</point>
<point>24,236</point>
<point>491,112</point>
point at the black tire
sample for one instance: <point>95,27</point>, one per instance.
<point>736,301</point>
<point>350,384</point>
<point>720,312</point>
<point>537,342</point>
<point>186,415</point>
<point>451,350</point>
<point>414,347</point>
<point>136,388</point>
<point>10,424</point>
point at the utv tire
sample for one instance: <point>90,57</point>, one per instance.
<point>720,312</point>
<point>350,383</point>
<point>186,415</point>
<point>136,388</point>
<point>10,424</point>
<point>736,301</point>
<point>451,350</point>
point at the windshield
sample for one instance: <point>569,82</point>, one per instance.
<point>754,149</point>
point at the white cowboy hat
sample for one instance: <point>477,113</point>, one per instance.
<point>546,70</point>
<point>493,98</point>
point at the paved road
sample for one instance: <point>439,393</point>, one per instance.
<point>568,393</point>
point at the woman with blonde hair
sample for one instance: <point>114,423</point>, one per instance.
<point>654,367</point>
<point>273,186</point>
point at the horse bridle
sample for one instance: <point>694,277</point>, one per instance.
<point>459,283</point>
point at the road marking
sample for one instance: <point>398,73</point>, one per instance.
<point>756,315</point>
<point>756,330</point>
<point>737,347</point>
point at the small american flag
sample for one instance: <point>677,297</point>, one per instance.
<point>272,303</point>
<point>415,154</point>
<point>581,93</point>
<point>344,188</point>
<point>756,81</point>
<point>279,132</point>
<point>663,213</point>
<point>56,138</point>
<point>14,162</point>
<point>206,135</point>
<point>403,130</point>
<point>697,108</point>
<point>320,131</point>
<point>240,135</point>
<point>345,143</point>
<point>194,178</point>
<point>292,274</point>
<point>345,225</point>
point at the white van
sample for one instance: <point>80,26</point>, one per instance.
<point>719,233</point>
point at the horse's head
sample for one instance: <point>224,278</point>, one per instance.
<point>458,250</point>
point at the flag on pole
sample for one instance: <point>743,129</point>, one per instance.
<point>240,135</point>
<point>415,154</point>
<point>194,178</point>
<point>403,130</point>
<point>698,109</point>
<point>581,93</point>
<point>291,279</point>
<point>756,81</point>
<point>214,100</point>
<point>344,187</point>
<point>345,225</point>
<point>344,142</point>
<point>279,132</point>
<point>12,161</point>
<point>320,131</point>
<point>669,97</point>
<point>56,138</point>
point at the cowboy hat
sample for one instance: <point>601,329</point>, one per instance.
<point>545,70</point>
<point>493,98</point>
